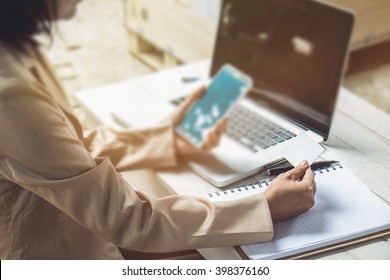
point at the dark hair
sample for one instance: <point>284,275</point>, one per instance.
<point>20,20</point>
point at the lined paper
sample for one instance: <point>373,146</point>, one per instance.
<point>345,209</point>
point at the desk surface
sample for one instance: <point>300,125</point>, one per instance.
<point>360,138</point>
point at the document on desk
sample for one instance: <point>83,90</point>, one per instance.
<point>345,209</point>
<point>143,111</point>
<point>301,148</point>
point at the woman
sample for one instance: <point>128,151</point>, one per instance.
<point>61,196</point>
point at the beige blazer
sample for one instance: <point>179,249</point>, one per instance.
<point>61,196</point>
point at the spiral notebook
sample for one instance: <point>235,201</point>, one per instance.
<point>345,210</point>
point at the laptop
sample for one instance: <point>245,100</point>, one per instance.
<point>295,52</point>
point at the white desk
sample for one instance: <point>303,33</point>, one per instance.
<point>360,138</point>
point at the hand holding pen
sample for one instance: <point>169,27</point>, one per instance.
<point>291,193</point>
<point>274,171</point>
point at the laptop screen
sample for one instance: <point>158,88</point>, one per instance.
<point>293,49</point>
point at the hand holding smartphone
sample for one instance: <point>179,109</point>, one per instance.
<point>228,86</point>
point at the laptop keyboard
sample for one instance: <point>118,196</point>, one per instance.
<point>252,130</point>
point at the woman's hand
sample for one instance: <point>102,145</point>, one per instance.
<point>213,138</point>
<point>291,193</point>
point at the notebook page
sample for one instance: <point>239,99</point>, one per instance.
<point>345,209</point>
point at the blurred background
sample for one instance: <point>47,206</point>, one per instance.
<point>110,41</point>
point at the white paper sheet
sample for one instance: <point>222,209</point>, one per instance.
<point>302,148</point>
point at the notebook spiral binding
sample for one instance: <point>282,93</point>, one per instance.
<point>263,184</point>
<point>334,166</point>
<point>244,188</point>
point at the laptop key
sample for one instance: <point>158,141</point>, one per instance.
<point>261,144</point>
<point>269,141</point>
<point>285,136</point>
<point>273,136</point>
<point>279,139</point>
<point>247,143</point>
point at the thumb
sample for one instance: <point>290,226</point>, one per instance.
<point>182,111</point>
<point>299,171</point>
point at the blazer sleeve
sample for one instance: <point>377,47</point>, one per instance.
<point>133,149</point>
<point>39,152</point>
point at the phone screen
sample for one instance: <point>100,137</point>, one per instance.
<point>226,88</point>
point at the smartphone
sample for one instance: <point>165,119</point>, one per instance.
<point>227,87</point>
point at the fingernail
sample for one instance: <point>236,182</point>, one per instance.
<point>304,162</point>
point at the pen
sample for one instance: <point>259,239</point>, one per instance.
<point>189,79</point>
<point>279,170</point>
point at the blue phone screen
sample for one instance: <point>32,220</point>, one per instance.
<point>219,97</point>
